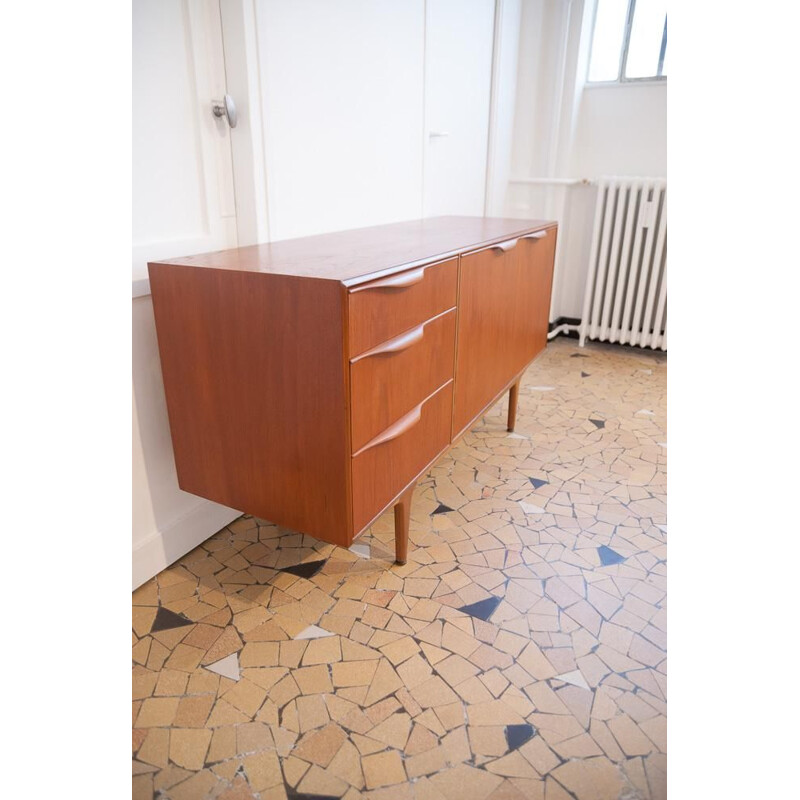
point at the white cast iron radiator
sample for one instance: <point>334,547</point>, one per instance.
<point>626,287</point>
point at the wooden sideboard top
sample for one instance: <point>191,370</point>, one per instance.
<point>357,255</point>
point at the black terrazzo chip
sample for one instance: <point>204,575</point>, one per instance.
<point>517,735</point>
<point>166,619</point>
<point>599,422</point>
<point>483,609</point>
<point>293,794</point>
<point>307,570</point>
<point>537,482</point>
<point>441,509</point>
<point>609,556</point>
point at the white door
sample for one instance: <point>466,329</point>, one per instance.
<point>338,92</point>
<point>459,36</point>
<point>183,199</point>
<point>183,203</point>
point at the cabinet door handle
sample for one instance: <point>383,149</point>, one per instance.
<point>512,243</point>
<point>393,431</point>
<point>402,342</point>
<point>394,281</point>
<point>505,246</point>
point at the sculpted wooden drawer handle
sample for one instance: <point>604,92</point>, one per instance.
<point>505,246</point>
<point>399,343</point>
<point>395,281</point>
<point>512,243</point>
<point>393,431</point>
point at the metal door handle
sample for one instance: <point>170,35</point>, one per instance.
<point>227,108</point>
<point>437,134</point>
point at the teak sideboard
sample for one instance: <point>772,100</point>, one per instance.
<point>312,381</point>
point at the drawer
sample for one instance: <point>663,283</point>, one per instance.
<point>384,308</point>
<point>388,463</point>
<point>391,379</point>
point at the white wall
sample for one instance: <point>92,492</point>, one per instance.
<point>564,128</point>
<point>621,130</point>
<point>502,104</point>
<point>538,86</point>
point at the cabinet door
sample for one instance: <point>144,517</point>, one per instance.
<point>503,310</point>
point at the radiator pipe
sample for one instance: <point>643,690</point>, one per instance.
<point>563,328</point>
<point>555,181</point>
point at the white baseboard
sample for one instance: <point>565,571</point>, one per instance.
<point>162,548</point>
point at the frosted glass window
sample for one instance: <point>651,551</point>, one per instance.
<point>609,32</point>
<point>629,41</point>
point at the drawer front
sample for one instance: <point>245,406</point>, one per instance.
<point>385,308</point>
<point>393,459</point>
<point>391,379</point>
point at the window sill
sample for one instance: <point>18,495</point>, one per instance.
<point>614,84</point>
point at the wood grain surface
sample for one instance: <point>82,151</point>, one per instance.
<point>254,377</point>
<point>392,378</point>
<point>381,471</point>
<point>379,312</point>
<point>363,254</point>
<point>504,301</point>
<point>311,382</point>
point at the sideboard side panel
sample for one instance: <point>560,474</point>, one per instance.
<point>252,367</point>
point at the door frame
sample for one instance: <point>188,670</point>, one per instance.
<point>242,72</point>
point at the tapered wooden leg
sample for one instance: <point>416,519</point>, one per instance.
<point>402,518</point>
<point>513,393</point>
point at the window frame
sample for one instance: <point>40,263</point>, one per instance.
<point>623,56</point>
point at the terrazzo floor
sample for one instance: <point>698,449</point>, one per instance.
<point>520,653</point>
